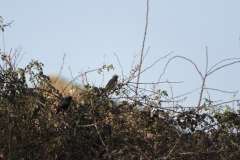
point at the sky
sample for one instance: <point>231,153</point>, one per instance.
<point>92,32</point>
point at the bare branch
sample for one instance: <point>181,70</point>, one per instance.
<point>173,147</point>
<point>203,79</point>
<point>156,62</point>
<point>146,53</point>
<point>223,66</point>
<point>119,64</point>
<point>82,74</point>
<point>141,57</point>
<point>183,58</point>
<point>155,83</point>
<point>221,62</point>
<point>64,55</point>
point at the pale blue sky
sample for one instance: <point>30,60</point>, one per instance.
<point>88,30</point>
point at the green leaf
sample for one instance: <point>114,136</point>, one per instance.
<point>165,93</point>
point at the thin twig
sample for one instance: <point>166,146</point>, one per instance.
<point>173,147</point>
<point>132,75</point>
<point>183,58</point>
<point>4,47</point>
<point>20,58</point>
<point>98,132</point>
<point>171,93</point>
<point>221,90</point>
<point>64,55</point>
<point>223,66</point>
<point>143,44</point>
<point>203,79</point>
<point>82,74</point>
<point>221,62</point>
<point>155,83</point>
<point>156,62</point>
<point>146,53</point>
<point>119,64</point>
<point>103,71</point>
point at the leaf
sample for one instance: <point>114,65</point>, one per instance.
<point>165,93</point>
<point>227,109</point>
<point>1,19</point>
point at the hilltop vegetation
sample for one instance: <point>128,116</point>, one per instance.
<point>126,122</point>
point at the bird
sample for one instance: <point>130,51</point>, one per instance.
<point>111,83</point>
<point>64,104</point>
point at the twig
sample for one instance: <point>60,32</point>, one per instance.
<point>4,47</point>
<point>138,151</point>
<point>146,53</point>
<point>95,124</point>
<point>131,78</point>
<point>64,55</point>
<point>119,64</point>
<point>221,62</point>
<point>222,67</point>
<point>20,58</point>
<point>225,102</point>
<point>141,57</point>
<point>155,83</point>
<point>221,90</point>
<point>173,147</point>
<point>103,71</point>
<point>172,93</point>
<point>203,79</point>
<point>82,74</point>
<point>183,58</point>
<point>156,62</point>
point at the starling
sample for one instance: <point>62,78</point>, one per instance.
<point>111,83</point>
<point>64,104</point>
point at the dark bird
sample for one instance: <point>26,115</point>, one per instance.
<point>111,84</point>
<point>64,104</point>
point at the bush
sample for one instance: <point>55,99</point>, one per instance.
<point>126,123</point>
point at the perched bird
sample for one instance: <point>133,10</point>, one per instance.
<point>111,84</point>
<point>64,104</point>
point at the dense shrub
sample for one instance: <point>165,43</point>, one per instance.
<point>129,122</point>
<point>105,126</point>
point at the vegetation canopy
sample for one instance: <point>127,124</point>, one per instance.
<point>124,121</point>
